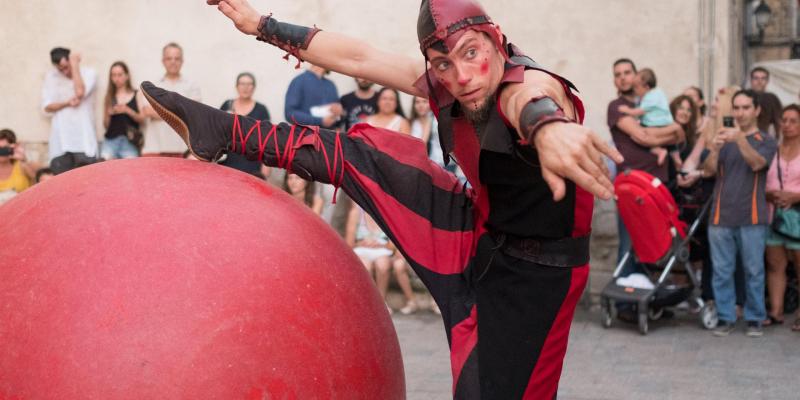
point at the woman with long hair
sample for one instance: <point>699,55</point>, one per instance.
<point>423,123</point>
<point>390,113</point>
<point>783,190</point>
<point>684,112</point>
<point>122,115</point>
<point>703,120</point>
<point>303,191</point>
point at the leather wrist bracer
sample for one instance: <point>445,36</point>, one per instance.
<point>288,37</point>
<point>536,114</point>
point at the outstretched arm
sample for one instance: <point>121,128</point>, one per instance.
<point>337,52</point>
<point>540,110</point>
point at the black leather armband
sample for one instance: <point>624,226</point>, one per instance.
<point>288,37</point>
<point>536,114</point>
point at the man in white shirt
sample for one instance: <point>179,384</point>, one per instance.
<point>159,139</point>
<point>68,96</point>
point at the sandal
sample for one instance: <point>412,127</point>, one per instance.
<point>796,325</point>
<point>771,321</point>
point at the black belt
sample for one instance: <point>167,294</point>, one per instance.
<point>566,252</point>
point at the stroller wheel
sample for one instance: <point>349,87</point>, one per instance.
<point>605,311</point>
<point>708,316</point>
<point>643,323</point>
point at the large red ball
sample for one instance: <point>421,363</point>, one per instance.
<point>174,279</point>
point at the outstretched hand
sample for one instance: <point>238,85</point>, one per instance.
<point>243,15</point>
<point>574,152</point>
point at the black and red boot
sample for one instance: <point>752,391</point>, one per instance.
<point>205,130</point>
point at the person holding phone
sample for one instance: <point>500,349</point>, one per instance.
<point>740,156</point>
<point>692,179</point>
<point>16,173</point>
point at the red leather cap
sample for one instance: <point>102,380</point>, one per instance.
<point>442,22</point>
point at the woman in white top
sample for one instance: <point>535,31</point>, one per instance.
<point>372,247</point>
<point>390,114</point>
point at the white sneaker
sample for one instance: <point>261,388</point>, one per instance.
<point>410,308</point>
<point>435,308</point>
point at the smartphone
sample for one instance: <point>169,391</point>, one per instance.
<point>727,122</point>
<point>6,151</point>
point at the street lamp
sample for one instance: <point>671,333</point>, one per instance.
<point>763,15</point>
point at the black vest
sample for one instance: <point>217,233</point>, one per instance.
<point>520,201</point>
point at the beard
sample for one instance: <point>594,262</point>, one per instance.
<point>365,86</point>
<point>479,115</point>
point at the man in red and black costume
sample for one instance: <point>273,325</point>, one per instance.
<point>505,259</point>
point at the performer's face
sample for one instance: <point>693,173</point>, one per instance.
<point>471,71</point>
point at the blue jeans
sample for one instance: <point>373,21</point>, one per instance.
<point>749,242</point>
<point>118,147</point>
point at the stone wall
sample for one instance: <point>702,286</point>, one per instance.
<point>576,38</point>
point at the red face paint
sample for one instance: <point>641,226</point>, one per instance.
<point>485,67</point>
<point>446,84</point>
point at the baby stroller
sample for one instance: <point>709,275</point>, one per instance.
<point>660,243</point>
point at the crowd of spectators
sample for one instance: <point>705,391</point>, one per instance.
<point>740,153</point>
<point>741,156</point>
<point>133,129</point>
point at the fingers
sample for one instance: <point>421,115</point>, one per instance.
<point>597,159</point>
<point>590,184</point>
<point>229,11</point>
<point>556,184</point>
<point>236,4</point>
<point>598,176</point>
<point>604,148</point>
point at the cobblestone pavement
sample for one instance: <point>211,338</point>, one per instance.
<point>677,360</point>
